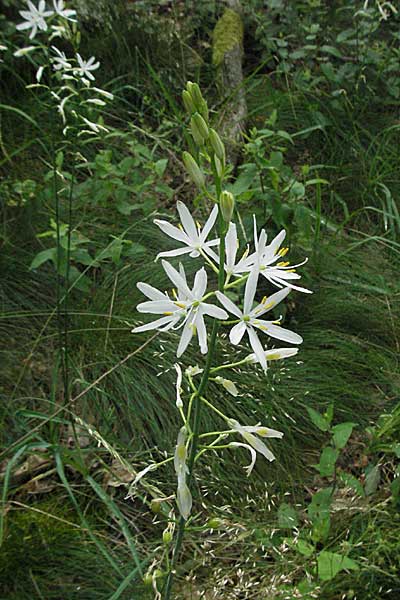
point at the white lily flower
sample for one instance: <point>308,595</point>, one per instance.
<point>253,453</point>
<point>249,318</point>
<point>39,74</point>
<point>265,256</point>
<point>103,93</point>
<point>187,304</point>
<point>23,51</point>
<point>86,67</point>
<point>60,61</point>
<point>34,18</point>
<point>96,127</point>
<point>275,354</point>
<point>247,432</point>
<point>229,385</point>
<point>66,13</point>
<point>192,371</point>
<point>189,233</point>
<point>244,265</point>
<point>183,495</point>
<point>178,370</point>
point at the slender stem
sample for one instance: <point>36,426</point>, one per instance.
<point>197,396</point>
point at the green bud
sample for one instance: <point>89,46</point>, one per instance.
<point>193,169</point>
<point>188,102</point>
<point>155,506</point>
<point>203,110</point>
<point>227,204</point>
<point>158,574</point>
<point>217,145</point>
<point>148,580</point>
<point>218,166</point>
<point>195,92</point>
<point>199,129</point>
<point>167,537</point>
<point>214,523</point>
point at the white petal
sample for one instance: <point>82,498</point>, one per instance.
<point>270,302</point>
<point>171,253</point>
<point>187,221</point>
<point>154,324</point>
<point>276,243</point>
<point>176,278</point>
<point>186,336</point>
<point>229,305</point>
<point>200,284</point>
<point>237,332</point>
<point>259,446</point>
<point>280,333</point>
<point>231,246</point>
<point>178,370</point>
<point>209,224</point>
<point>250,290</point>
<point>213,311</point>
<point>276,354</point>
<point>150,291</point>
<point>172,231</point>
<point>157,307</point>
<point>183,498</point>
<point>257,347</point>
<point>253,453</point>
<point>290,285</point>
<point>201,333</point>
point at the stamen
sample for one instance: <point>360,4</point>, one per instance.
<point>180,304</point>
<point>283,264</point>
<point>283,251</point>
<point>180,226</point>
<point>168,314</point>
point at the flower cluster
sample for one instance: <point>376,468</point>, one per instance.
<point>72,90</point>
<point>185,308</point>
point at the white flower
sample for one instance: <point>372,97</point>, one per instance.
<point>249,318</point>
<point>231,247</point>
<point>253,453</point>
<point>60,61</point>
<point>229,385</point>
<point>189,233</point>
<point>34,18</point>
<point>187,303</point>
<point>183,495</point>
<point>178,370</point>
<point>66,13</point>
<point>96,127</point>
<point>96,101</point>
<point>39,73</point>
<point>275,354</point>
<point>192,371</point>
<point>265,257</point>
<point>247,432</point>
<point>103,93</point>
<point>24,51</point>
<point>86,67</point>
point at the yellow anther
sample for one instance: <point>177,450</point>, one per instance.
<point>291,271</point>
<point>180,226</point>
<point>283,251</point>
<point>167,314</point>
<point>175,295</point>
<point>283,264</point>
<point>263,431</point>
<point>198,225</point>
<point>274,356</point>
<point>264,300</point>
<point>180,304</point>
<point>193,328</point>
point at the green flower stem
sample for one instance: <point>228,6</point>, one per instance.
<point>195,403</point>
<point>221,414</point>
<point>230,365</point>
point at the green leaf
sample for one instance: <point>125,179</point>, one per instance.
<point>372,479</point>
<point>326,465</point>
<point>331,563</point>
<point>304,548</point>
<point>287,516</point>
<point>318,420</point>
<point>298,189</point>
<point>331,50</point>
<point>44,256</point>
<point>341,434</point>
<point>160,166</point>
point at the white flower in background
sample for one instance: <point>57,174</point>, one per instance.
<point>183,495</point>
<point>231,247</point>
<point>192,371</point>
<point>96,127</point>
<point>247,432</point>
<point>187,305</point>
<point>61,11</point>
<point>39,74</point>
<point>275,354</point>
<point>35,18</point>
<point>265,257</point>
<point>178,370</point>
<point>253,453</point>
<point>189,233</point>
<point>249,318</point>
<point>86,67</point>
<point>60,61</point>
<point>104,93</point>
<point>24,51</point>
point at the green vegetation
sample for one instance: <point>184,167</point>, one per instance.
<point>84,407</point>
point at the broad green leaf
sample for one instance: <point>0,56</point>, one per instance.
<point>331,563</point>
<point>305,548</point>
<point>287,516</point>
<point>326,465</point>
<point>372,479</point>
<point>341,434</point>
<point>318,420</point>
<point>160,166</point>
<point>44,256</point>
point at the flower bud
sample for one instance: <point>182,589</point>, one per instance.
<point>217,145</point>
<point>199,128</point>
<point>195,93</point>
<point>214,523</point>
<point>155,505</point>
<point>167,537</point>
<point>188,102</point>
<point>227,204</point>
<point>193,169</point>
